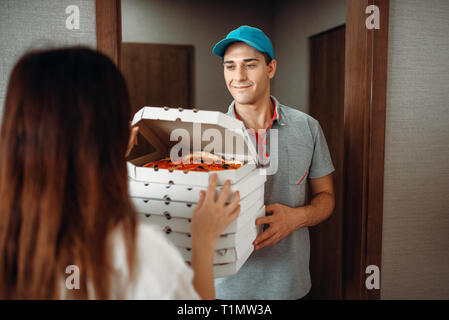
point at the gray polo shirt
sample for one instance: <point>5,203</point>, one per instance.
<point>281,271</point>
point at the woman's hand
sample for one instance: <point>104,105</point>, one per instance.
<point>210,218</point>
<point>132,139</point>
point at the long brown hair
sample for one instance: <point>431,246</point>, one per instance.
<point>63,180</point>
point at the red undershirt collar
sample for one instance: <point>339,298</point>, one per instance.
<point>272,119</point>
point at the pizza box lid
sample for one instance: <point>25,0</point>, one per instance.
<point>190,130</point>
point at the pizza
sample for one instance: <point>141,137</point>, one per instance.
<point>197,161</point>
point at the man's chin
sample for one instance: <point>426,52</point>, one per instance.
<point>243,100</point>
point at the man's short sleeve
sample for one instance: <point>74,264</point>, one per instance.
<point>321,160</point>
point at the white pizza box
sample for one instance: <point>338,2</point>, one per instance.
<point>231,240</point>
<point>182,209</point>
<point>167,222</point>
<point>176,129</point>
<point>187,193</point>
<point>222,270</point>
<point>229,269</point>
<point>226,255</point>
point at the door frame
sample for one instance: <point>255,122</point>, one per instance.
<point>108,15</point>
<point>364,123</point>
<point>364,129</point>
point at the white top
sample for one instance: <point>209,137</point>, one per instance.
<point>160,271</point>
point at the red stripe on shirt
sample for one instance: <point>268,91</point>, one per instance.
<point>303,176</point>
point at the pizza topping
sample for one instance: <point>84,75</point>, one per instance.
<point>197,161</point>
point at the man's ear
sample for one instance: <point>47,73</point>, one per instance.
<point>272,68</point>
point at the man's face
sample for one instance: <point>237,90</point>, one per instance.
<point>246,73</point>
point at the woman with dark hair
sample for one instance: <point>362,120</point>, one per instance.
<point>64,194</point>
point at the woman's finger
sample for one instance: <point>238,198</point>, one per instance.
<point>224,194</point>
<point>210,194</point>
<point>234,203</point>
<point>201,200</point>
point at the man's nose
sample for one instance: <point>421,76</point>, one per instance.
<point>241,73</point>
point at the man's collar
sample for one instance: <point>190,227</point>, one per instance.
<point>279,118</point>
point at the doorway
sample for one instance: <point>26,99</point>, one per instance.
<point>326,104</point>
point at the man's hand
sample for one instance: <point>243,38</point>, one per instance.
<point>283,221</point>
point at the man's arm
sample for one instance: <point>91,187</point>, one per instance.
<point>285,220</point>
<point>322,204</point>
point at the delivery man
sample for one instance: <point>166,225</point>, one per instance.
<point>279,266</point>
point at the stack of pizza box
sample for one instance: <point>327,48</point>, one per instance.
<point>166,198</point>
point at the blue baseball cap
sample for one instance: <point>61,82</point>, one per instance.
<point>251,36</point>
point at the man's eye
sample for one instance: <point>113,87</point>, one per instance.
<point>229,67</point>
<point>250,65</point>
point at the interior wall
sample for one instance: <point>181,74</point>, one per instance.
<point>30,24</point>
<point>415,239</point>
<point>295,21</point>
<point>200,23</point>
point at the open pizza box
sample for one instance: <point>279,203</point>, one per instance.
<point>248,211</point>
<point>175,132</point>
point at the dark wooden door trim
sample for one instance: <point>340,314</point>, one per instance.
<point>326,104</point>
<point>365,105</point>
<point>109,28</point>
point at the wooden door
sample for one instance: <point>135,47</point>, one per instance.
<point>326,104</point>
<point>158,74</point>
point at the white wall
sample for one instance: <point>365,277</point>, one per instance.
<point>28,24</point>
<point>199,23</point>
<point>295,21</point>
<point>415,239</point>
